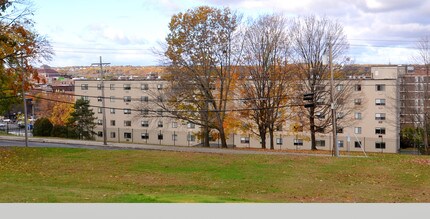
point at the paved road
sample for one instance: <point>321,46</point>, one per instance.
<point>67,143</point>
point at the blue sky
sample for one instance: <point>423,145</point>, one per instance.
<point>124,32</point>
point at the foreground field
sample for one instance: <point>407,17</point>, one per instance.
<point>78,175</point>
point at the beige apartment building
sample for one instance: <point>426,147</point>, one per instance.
<point>372,124</point>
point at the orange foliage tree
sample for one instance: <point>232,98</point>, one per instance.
<point>19,47</point>
<point>199,52</point>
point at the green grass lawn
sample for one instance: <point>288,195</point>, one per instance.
<point>78,175</point>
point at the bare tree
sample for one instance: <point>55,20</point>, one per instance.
<point>266,75</point>
<point>199,54</point>
<point>311,38</point>
<point>423,57</point>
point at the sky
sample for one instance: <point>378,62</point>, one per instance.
<point>126,32</point>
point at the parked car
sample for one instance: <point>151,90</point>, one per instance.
<point>21,124</point>
<point>2,125</point>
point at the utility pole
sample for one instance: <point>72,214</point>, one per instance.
<point>24,100</point>
<point>103,98</point>
<point>333,104</point>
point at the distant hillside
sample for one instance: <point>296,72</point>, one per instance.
<point>93,71</point>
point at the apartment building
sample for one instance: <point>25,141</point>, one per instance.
<point>373,126</point>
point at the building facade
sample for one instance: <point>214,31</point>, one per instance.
<point>372,125</point>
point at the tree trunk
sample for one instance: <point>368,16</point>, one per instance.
<point>206,136</point>
<point>223,138</point>
<point>271,135</point>
<point>312,127</point>
<point>263,139</point>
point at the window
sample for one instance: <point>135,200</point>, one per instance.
<point>357,116</point>
<point>144,112</point>
<point>99,86</point>
<point>380,102</point>
<point>279,141</point>
<point>127,123</point>
<point>112,111</point>
<point>127,87</point>
<point>380,87</point>
<point>145,136</point>
<point>339,115</point>
<point>339,130</point>
<point>127,111</point>
<point>112,86</point>
<point>160,124</point>
<point>113,135</point>
<point>144,99</point>
<point>357,144</point>
<point>279,128</point>
<point>100,134</point>
<point>127,98</point>
<point>357,87</point>
<point>357,130</point>
<point>339,87</point>
<point>85,98</point>
<point>99,122</point>
<point>174,137</point>
<point>340,143</point>
<point>174,125</point>
<point>244,140</point>
<point>380,131</point>
<point>159,86</point>
<point>145,123</point>
<point>357,102</point>
<point>127,135</point>
<point>112,98</point>
<point>319,115</point>
<point>380,145</point>
<point>99,99</point>
<point>160,136</point>
<point>112,123</point>
<point>144,87</point>
<point>320,143</point>
<point>100,110</point>
<point>191,125</point>
<point>160,99</point>
<point>380,116</point>
<point>298,142</point>
<point>160,112</point>
<point>191,137</point>
<point>84,86</point>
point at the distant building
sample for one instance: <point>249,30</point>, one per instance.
<point>375,127</point>
<point>47,73</point>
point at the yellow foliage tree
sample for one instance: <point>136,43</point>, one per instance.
<point>61,113</point>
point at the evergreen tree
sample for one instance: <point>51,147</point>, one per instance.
<point>82,119</point>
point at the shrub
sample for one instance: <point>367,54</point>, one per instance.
<point>42,127</point>
<point>63,132</point>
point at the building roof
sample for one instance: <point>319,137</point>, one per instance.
<point>48,71</point>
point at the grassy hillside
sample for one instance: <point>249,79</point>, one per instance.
<point>78,175</point>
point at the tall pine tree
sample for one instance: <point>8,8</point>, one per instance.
<point>82,119</point>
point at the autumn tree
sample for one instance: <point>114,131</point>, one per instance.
<point>266,73</point>
<point>199,52</point>
<point>311,38</point>
<point>61,113</point>
<point>20,46</point>
<point>82,119</point>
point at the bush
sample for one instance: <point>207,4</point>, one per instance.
<point>42,127</point>
<point>63,132</point>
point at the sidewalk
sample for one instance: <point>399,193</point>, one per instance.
<point>98,144</point>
